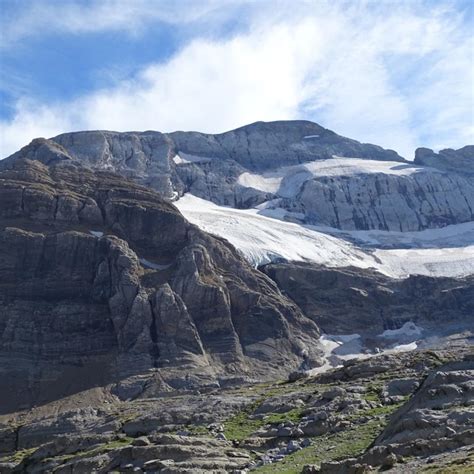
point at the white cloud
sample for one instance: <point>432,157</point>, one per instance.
<point>37,17</point>
<point>385,76</point>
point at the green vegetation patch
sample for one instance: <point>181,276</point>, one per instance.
<point>342,445</point>
<point>18,456</point>
<point>378,411</point>
<point>241,426</point>
<point>196,430</point>
<point>102,448</point>
<point>294,415</point>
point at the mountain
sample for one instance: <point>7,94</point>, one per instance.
<point>100,276</point>
<point>209,165</point>
<point>277,297</point>
<point>297,166</point>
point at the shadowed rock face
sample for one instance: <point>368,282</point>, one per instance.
<point>100,280</point>
<point>350,300</point>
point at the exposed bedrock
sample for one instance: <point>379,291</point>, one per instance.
<point>440,192</point>
<point>207,165</point>
<point>101,279</point>
<point>353,300</point>
<point>387,202</point>
<point>459,161</point>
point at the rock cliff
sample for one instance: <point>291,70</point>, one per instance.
<point>353,300</point>
<point>100,280</point>
<point>381,201</point>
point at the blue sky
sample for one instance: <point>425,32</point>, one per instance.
<point>396,73</point>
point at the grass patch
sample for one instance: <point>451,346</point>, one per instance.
<point>349,443</point>
<point>373,392</point>
<point>196,430</point>
<point>18,456</point>
<point>292,415</point>
<point>115,444</point>
<point>379,411</point>
<point>241,426</point>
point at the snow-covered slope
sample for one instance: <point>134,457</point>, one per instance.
<point>263,239</point>
<point>287,181</point>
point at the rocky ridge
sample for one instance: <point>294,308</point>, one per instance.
<point>432,192</point>
<point>459,161</point>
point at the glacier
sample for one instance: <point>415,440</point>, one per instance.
<point>444,252</point>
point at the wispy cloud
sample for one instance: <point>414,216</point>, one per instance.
<point>393,73</point>
<point>39,17</point>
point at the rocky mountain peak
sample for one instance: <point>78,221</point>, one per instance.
<point>458,161</point>
<point>42,150</point>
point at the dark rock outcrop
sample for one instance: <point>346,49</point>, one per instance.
<point>353,300</point>
<point>100,276</point>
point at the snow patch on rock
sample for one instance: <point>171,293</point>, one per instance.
<point>287,181</point>
<point>409,329</point>
<point>185,158</point>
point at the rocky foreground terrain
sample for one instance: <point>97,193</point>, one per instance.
<point>334,335</point>
<point>401,413</point>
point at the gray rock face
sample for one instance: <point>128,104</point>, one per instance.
<point>100,280</point>
<point>265,145</point>
<point>208,165</point>
<point>348,300</point>
<point>441,407</point>
<point>147,156</point>
<point>386,202</point>
<point>459,161</point>
<point>437,419</point>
